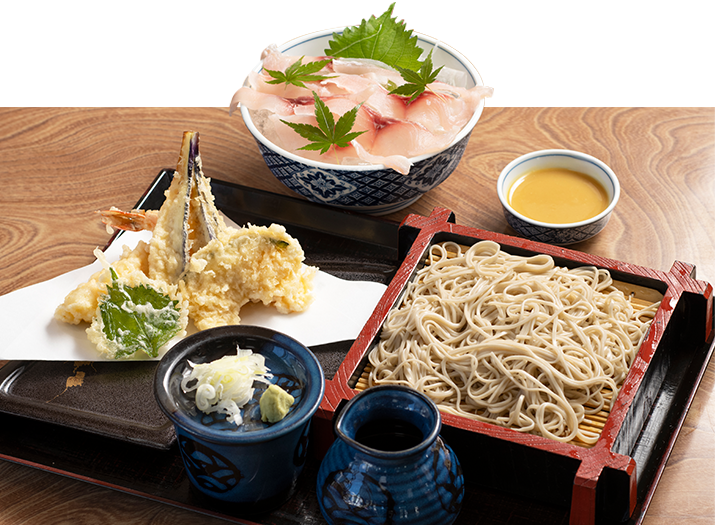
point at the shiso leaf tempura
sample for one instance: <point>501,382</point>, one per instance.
<point>135,315</point>
<point>135,318</point>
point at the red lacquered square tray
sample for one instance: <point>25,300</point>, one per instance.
<point>611,480</point>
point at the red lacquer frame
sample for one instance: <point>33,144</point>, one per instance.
<point>598,483</point>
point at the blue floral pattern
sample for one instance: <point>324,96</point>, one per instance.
<point>557,236</point>
<point>375,191</point>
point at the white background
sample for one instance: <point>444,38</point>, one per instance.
<point>181,53</point>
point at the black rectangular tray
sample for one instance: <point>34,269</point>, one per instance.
<point>101,398</point>
<point>349,246</point>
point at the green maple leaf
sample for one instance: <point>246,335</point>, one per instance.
<point>298,73</point>
<point>137,318</point>
<point>416,81</point>
<point>327,133</point>
<point>381,38</point>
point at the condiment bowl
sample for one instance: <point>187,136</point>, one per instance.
<point>559,234</point>
<point>253,466</point>
<point>371,189</point>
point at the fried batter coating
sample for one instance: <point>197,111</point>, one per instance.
<point>212,269</point>
<point>81,303</point>
<point>252,264</point>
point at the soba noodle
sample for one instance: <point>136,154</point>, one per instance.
<point>511,340</point>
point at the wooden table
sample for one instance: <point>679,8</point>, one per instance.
<point>59,165</point>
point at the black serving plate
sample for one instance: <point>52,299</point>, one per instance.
<point>107,398</point>
<point>349,246</point>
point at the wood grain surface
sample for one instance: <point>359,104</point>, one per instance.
<point>60,165</point>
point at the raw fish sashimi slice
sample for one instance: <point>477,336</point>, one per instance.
<point>284,136</point>
<point>398,163</point>
<point>303,112</point>
<point>440,114</point>
<point>408,139</point>
<point>260,82</point>
<point>394,129</point>
<point>383,105</point>
<point>256,100</point>
<point>275,60</point>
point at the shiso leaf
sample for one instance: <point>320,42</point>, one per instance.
<point>382,38</point>
<point>137,318</point>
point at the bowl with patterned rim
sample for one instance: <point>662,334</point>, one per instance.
<point>367,188</point>
<point>550,233</point>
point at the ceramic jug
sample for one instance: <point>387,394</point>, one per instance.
<point>388,463</point>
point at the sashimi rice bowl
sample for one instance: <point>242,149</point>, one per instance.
<point>353,132</point>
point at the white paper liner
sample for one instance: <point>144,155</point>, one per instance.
<point>30,331</point>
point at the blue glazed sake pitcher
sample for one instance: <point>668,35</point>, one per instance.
<point>388,463</point>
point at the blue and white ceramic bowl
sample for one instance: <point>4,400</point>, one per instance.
<point>375,190</point>
<point>254,466</point>
<point>559,234</point>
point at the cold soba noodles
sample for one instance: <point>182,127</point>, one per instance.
<point>511,340</point>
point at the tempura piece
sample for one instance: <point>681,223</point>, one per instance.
<point>256,263</point>
<point>137,316</point>
<point>188,219</point>
<point>80,305</point>
<point>170,242</point>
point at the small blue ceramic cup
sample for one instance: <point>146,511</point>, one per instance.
<point>388,463</point>
<point>254,465</point>
<point>559,234</point>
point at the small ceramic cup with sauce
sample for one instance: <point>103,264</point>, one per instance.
<point>557,196</point>
<point>253,467</point>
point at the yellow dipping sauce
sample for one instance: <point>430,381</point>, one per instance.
<point>557,196</point>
